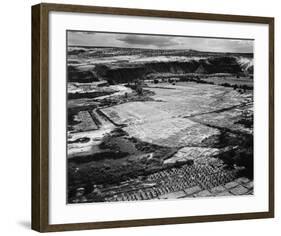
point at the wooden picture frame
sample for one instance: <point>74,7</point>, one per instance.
<point>40,116</point>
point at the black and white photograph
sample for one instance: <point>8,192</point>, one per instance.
<point>155,117</point>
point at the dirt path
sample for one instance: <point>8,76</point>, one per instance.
<point>218,111</point>
<point>101,120</point>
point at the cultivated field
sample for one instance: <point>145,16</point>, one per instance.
<point>173,118</point>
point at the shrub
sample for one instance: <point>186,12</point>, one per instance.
<point>225,84</point>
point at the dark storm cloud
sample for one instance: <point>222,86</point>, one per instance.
<point>147,40</point>
<point>87,32</point>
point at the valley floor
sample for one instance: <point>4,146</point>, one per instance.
<point>174,141</point>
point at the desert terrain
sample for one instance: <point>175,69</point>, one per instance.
<point>158,124</point>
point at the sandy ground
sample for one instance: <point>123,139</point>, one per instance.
<point>166,121</point>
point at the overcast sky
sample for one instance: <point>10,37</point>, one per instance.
<point>159,42</point>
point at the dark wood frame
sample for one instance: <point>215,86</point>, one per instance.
<point>40,112</point>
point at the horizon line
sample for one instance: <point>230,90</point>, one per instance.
<point>166,49</point>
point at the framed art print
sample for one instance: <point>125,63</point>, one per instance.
<point>144,117</point>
